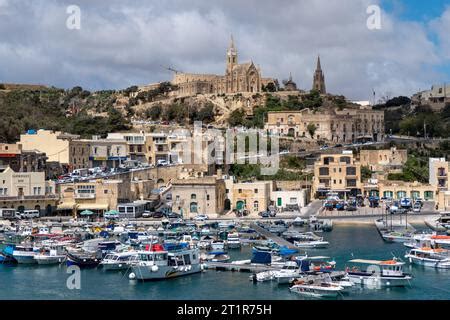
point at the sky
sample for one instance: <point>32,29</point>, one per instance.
<point>124,43</point>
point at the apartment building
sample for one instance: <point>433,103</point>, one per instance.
<point>27,191</point>
<point>339,173</point>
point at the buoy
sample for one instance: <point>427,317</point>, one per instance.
<point>132,276</point>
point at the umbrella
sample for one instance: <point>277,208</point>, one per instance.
<point>111,213</point>
<point>86,213</point>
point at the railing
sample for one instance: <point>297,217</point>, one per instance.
<point>85,196</point>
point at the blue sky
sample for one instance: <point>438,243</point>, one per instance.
<point>416,10</point>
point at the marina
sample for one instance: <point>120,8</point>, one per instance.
<point>121,273</point>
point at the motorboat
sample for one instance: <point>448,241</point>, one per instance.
<point>205,242</point>
<point>25,254</point>
<point>262,276</point>
<point>159,263</point>
<point>217,245</point>
<point>299,222</point>
<point>317,288</point>
<point>315,264</point>
<point>215,256</point>
<point>397,236</point>
<point>379,273</point>
<point>289,271</point>
<point>310,240</point>
<point>117,261</point>
<point>233,240</point>
<point>440,224</point>
<point>429,257</point>
<point>83,258</point>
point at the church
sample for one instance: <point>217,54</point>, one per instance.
<point>244,77</point>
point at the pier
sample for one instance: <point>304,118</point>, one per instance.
<point>270,236</point>
<point>244,267</point>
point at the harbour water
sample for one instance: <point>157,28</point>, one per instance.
<point>346,242</point>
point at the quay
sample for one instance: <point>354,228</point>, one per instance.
<point>270,236</point>
<point>244,267</point>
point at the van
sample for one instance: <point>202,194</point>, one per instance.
<point>29,214</point>
<point>7,213</point>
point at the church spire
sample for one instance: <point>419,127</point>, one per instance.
<point>318,67</point>
<point>232,43</point>
<point>319,78</point>
<point>232,56</point>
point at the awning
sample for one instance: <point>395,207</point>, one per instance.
<point>92,206</point>
<point>66,206</point>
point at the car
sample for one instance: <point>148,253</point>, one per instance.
<point>351,208</point>
<point>417,207</point>
<point>147,214</point>
<point>265,214</point>
<point>158,215</point>
<point>201,217</point>
<point>324,147</point>
<point>173,215</point>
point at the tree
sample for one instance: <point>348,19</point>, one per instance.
<point>206,114</point>
<point>154,112</point>
<point>271,87</point>
<point>311,129</point>
<point>366,173</point>
<point>236,118</point>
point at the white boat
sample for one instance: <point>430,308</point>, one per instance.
<point>262,276</point>
<point>217,245</point>
<point>298,222</point>
<point>397,236</point>
<point>51,255</point>
<point>317,288</point>
<point>162,264</point>
<point>118,261</point>
<point>289,271</point>
<point>435,258</point>
<point>25,254</point>
<point>233,241</point>
<point>311,244</point>
<point>379,274</point>
<point>440,224</point>
<point>215,256</point>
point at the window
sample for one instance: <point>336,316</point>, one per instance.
<point>351,171</point>
<point>105,191</point>
<point>227,190</point>
<point>293,200</point>
<point>239,190</point>
<point>193,196</point>
<point>255,206</point>
<point>256,190</point>
<point>351,182</point>
<point>324,171</point>
<point>207,197</point>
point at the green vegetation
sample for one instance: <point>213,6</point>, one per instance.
<point>21,110</point>
<point>253,171</point>
<point>415,169</point>
<point>311,129</point>
<point>366,173</point>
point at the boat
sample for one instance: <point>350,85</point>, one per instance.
<point>205,242</point>
<point>379,273</point>
<point>25,254</point>
<point>311,241</point>
<point>117,261</point>
<point>299,222</point>
<point>159,263</point>
<point>83,258</point>
<point>51,255</point>
<point>215,256</point>
<point>6,256</point>
<point>440,224</point>
<point>262,276</point>
<point>397,236</point>
<point>217,245</point>
<point>315,264</point>
<point>429,257</point>
<point>317,288</point>
<point>289,271</point>
<point>233,241</point>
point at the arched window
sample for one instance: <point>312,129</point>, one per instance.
<point>193,196</point>
<point>255,206</point>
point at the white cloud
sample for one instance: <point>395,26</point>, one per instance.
<point>123,44</point>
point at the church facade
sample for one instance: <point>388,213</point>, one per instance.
<point>245,77</point>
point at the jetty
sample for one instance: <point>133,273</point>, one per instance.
<point>270,236</point>
<point>244,267</point>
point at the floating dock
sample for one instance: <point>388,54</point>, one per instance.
<point>270,236</point>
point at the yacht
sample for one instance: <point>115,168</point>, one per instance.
<point>436,258</point>
<point>217,245</point>
<point>317,243</point>
<point>379,274</point>
<point>117,261</point>
<point>162,264</point>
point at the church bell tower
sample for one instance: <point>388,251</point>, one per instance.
<point>319,78</point>
<point>232,56</point>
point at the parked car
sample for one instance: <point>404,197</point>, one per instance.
<point>147,214</point>
<point>417,207</point>
<point>29,214</point>
<point>173,215</point>
<point>265,214</point>
<point>158,215</point>
<point>201,217</point>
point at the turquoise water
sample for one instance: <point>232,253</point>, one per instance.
<point>49,282</point>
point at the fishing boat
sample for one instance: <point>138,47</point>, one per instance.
<point>6,256</point>
<point>397,236</point>
<point>117,261</point>
<point>25,254</point>
<point>51,255</point>
<point>159,263</point>
<point>379,273</point>
<point>317,288</point>
<point>233,241</point>
<point>429,257</point>
<point>83,258</point>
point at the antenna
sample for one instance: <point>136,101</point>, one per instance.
<point>172,69</point>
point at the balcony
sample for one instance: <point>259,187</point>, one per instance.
<point>30,197</point>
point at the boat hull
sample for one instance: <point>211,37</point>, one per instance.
<point>431,263</point>
<point>373,281</point>
<point>25,259</point>
<point>316,292</point>
<point>46,260</point>
<point>164,272</point>
<point>114,266</point>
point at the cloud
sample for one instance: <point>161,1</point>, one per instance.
<point>121,44</point>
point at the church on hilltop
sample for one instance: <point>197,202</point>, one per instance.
<point>244,77</point>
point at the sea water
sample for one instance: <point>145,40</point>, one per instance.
<point>346,242</point>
